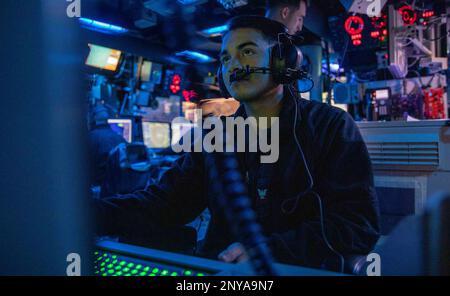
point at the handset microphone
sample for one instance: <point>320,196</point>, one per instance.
<point>288,76</point>
<point>242,73</point>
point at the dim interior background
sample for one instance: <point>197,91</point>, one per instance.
<point>135,65</point>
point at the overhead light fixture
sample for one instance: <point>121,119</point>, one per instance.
<point>214,31</point>
<point>196,56</point>
<point>101,26</point>
<point>192,2</point>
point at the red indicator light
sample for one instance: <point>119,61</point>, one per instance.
<point>409,16</point>
<point>175,86</point>
<point>357,42</point>
<point>428,14</point>
<point>189,94</point>
<point>176,79</point>
<point>354,25</point>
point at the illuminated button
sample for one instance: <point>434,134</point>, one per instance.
<point>134,271</point>
<point>110,271</point>
<point>104,274</point>
<point>155,270</point>
<point>146,268</point>
<point>95,253</point>
<point>115,261</point>
<point>187,272</point>
<point>102,269</point>
<point>105,255</point>
<point>143,273</point>
<point>114,256</point>
<point>139,266</point>
<point>119,273</point>
<point>122,263</point>
<point>110,265</point>
<point>130,264</point>
<point>107,260</point>
<point>126,269</point>
<point>118,267</point>
<point>200,274</point>
<point>102,264</point>
<point>128,274</point>
<point>99,258</point>
<point>152,274</point>
<point>97,272</point>
<point>164,272</point>
<point>174,273</point>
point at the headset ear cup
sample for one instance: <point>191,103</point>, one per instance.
<point>293,56</point>
<point>285,56</point>
<point>223,88</point>
<point>277,63</point>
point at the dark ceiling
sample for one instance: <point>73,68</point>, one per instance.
<point>176,26</point>
<point>178,29</point>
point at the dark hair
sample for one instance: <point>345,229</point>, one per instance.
<point>269,28</point>
<point>271,4</point>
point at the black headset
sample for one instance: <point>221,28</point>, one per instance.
<point>285,57</point>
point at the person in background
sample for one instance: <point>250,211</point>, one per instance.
<point>102,139</point>
<point>290,13</point>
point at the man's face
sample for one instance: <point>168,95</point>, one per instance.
<point>242,47</point>
<point>293,18</point>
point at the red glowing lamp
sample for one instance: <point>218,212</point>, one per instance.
<point>189,94</point>
<point>354,25</point>
<point>357,42</point>
<point>408,14</point>
<point>175,86</point>
<point>427,14</point>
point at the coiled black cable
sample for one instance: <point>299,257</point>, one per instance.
<point>231,193</point>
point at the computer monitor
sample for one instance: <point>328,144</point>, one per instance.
<point>179,129</point>
<point>146,71</point>
<point>103,58</point>
<point>122,127</point>
<point>151,72</point>
<point>156,76</point>
<point>156,134</point>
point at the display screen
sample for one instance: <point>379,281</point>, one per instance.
<point>156,73</point>
<point>382,94</point>
<point>146,71</point>
<point>103,57</point>
<point>151,72</point>
<point>156,134</point>
<point>122,127</point>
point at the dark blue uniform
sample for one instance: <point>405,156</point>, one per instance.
<point>340,166</point>
<point>102,139</point>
